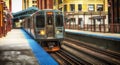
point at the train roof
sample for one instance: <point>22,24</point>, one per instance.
<point>45,10</point>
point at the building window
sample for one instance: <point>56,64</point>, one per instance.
<point>54,2</point>
<point>34,5</point>
<point>79,21</point>
<point>59,1</point>
<point>73,20</point>
<point>65,8</point>
<point>34,2</point>
<point>72,7</point>
<point>91,7</point>
<point>79,7</point>
<point>99,7</point>
<point>60,9</point>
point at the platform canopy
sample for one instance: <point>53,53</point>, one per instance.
<point>24,13</point>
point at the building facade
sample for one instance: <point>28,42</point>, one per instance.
<point>1,17</point>
<point>114,15</point>
<point>45,4</point>
<point>5,17</point>
<point>80,5</point>
<point>84,14</point>
<point>29,3</point>
<point>41,4</point>
<point>8,4</point>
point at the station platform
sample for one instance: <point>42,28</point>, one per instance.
<point>18,48</point>
<point>111,36</point>
<point>104,40</point>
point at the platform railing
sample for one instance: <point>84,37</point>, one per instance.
<point>89,27</point>
<point>114,28</point>
<point>111,28</point>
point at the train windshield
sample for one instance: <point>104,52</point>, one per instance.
<point>40,21</point>
<point>50,19</point>
<point>59,20</point>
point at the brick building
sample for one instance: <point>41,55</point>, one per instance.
<point>29,3</point>
<point>114,15</point>
<point>45,4</point>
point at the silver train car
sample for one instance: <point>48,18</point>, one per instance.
<point>46,26</point>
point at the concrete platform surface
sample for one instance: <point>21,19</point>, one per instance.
<point>97,33</point>
<point>15,50</point>
<point>114,36</point>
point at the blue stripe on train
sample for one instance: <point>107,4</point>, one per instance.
<point>42,56</point>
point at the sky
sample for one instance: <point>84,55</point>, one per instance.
<point>16,5</point>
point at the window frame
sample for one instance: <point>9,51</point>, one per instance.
<point>72,7</point>
<point>91,7</point>
<point>99,5</point>
<point>59,22</point>
<point>79,7</point>
<point>41,17</point>
<point>65,8</point>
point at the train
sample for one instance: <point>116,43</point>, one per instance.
<point>47,27</point>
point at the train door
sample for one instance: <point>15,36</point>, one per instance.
<point>50,24</point>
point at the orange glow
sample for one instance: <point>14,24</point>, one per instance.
<point>54,49</point>
<point>49,13</point>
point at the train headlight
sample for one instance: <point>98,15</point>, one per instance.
<point>58,32</point>
<point>42,32</point>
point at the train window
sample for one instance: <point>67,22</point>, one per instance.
<point>59,20</point>
<point>28,21</point>
<point>50,19</point>
<point>40,21</point>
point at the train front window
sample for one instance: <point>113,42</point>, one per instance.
<point>59,20</point>
<point>50,19</point>
<point>40,21</point>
